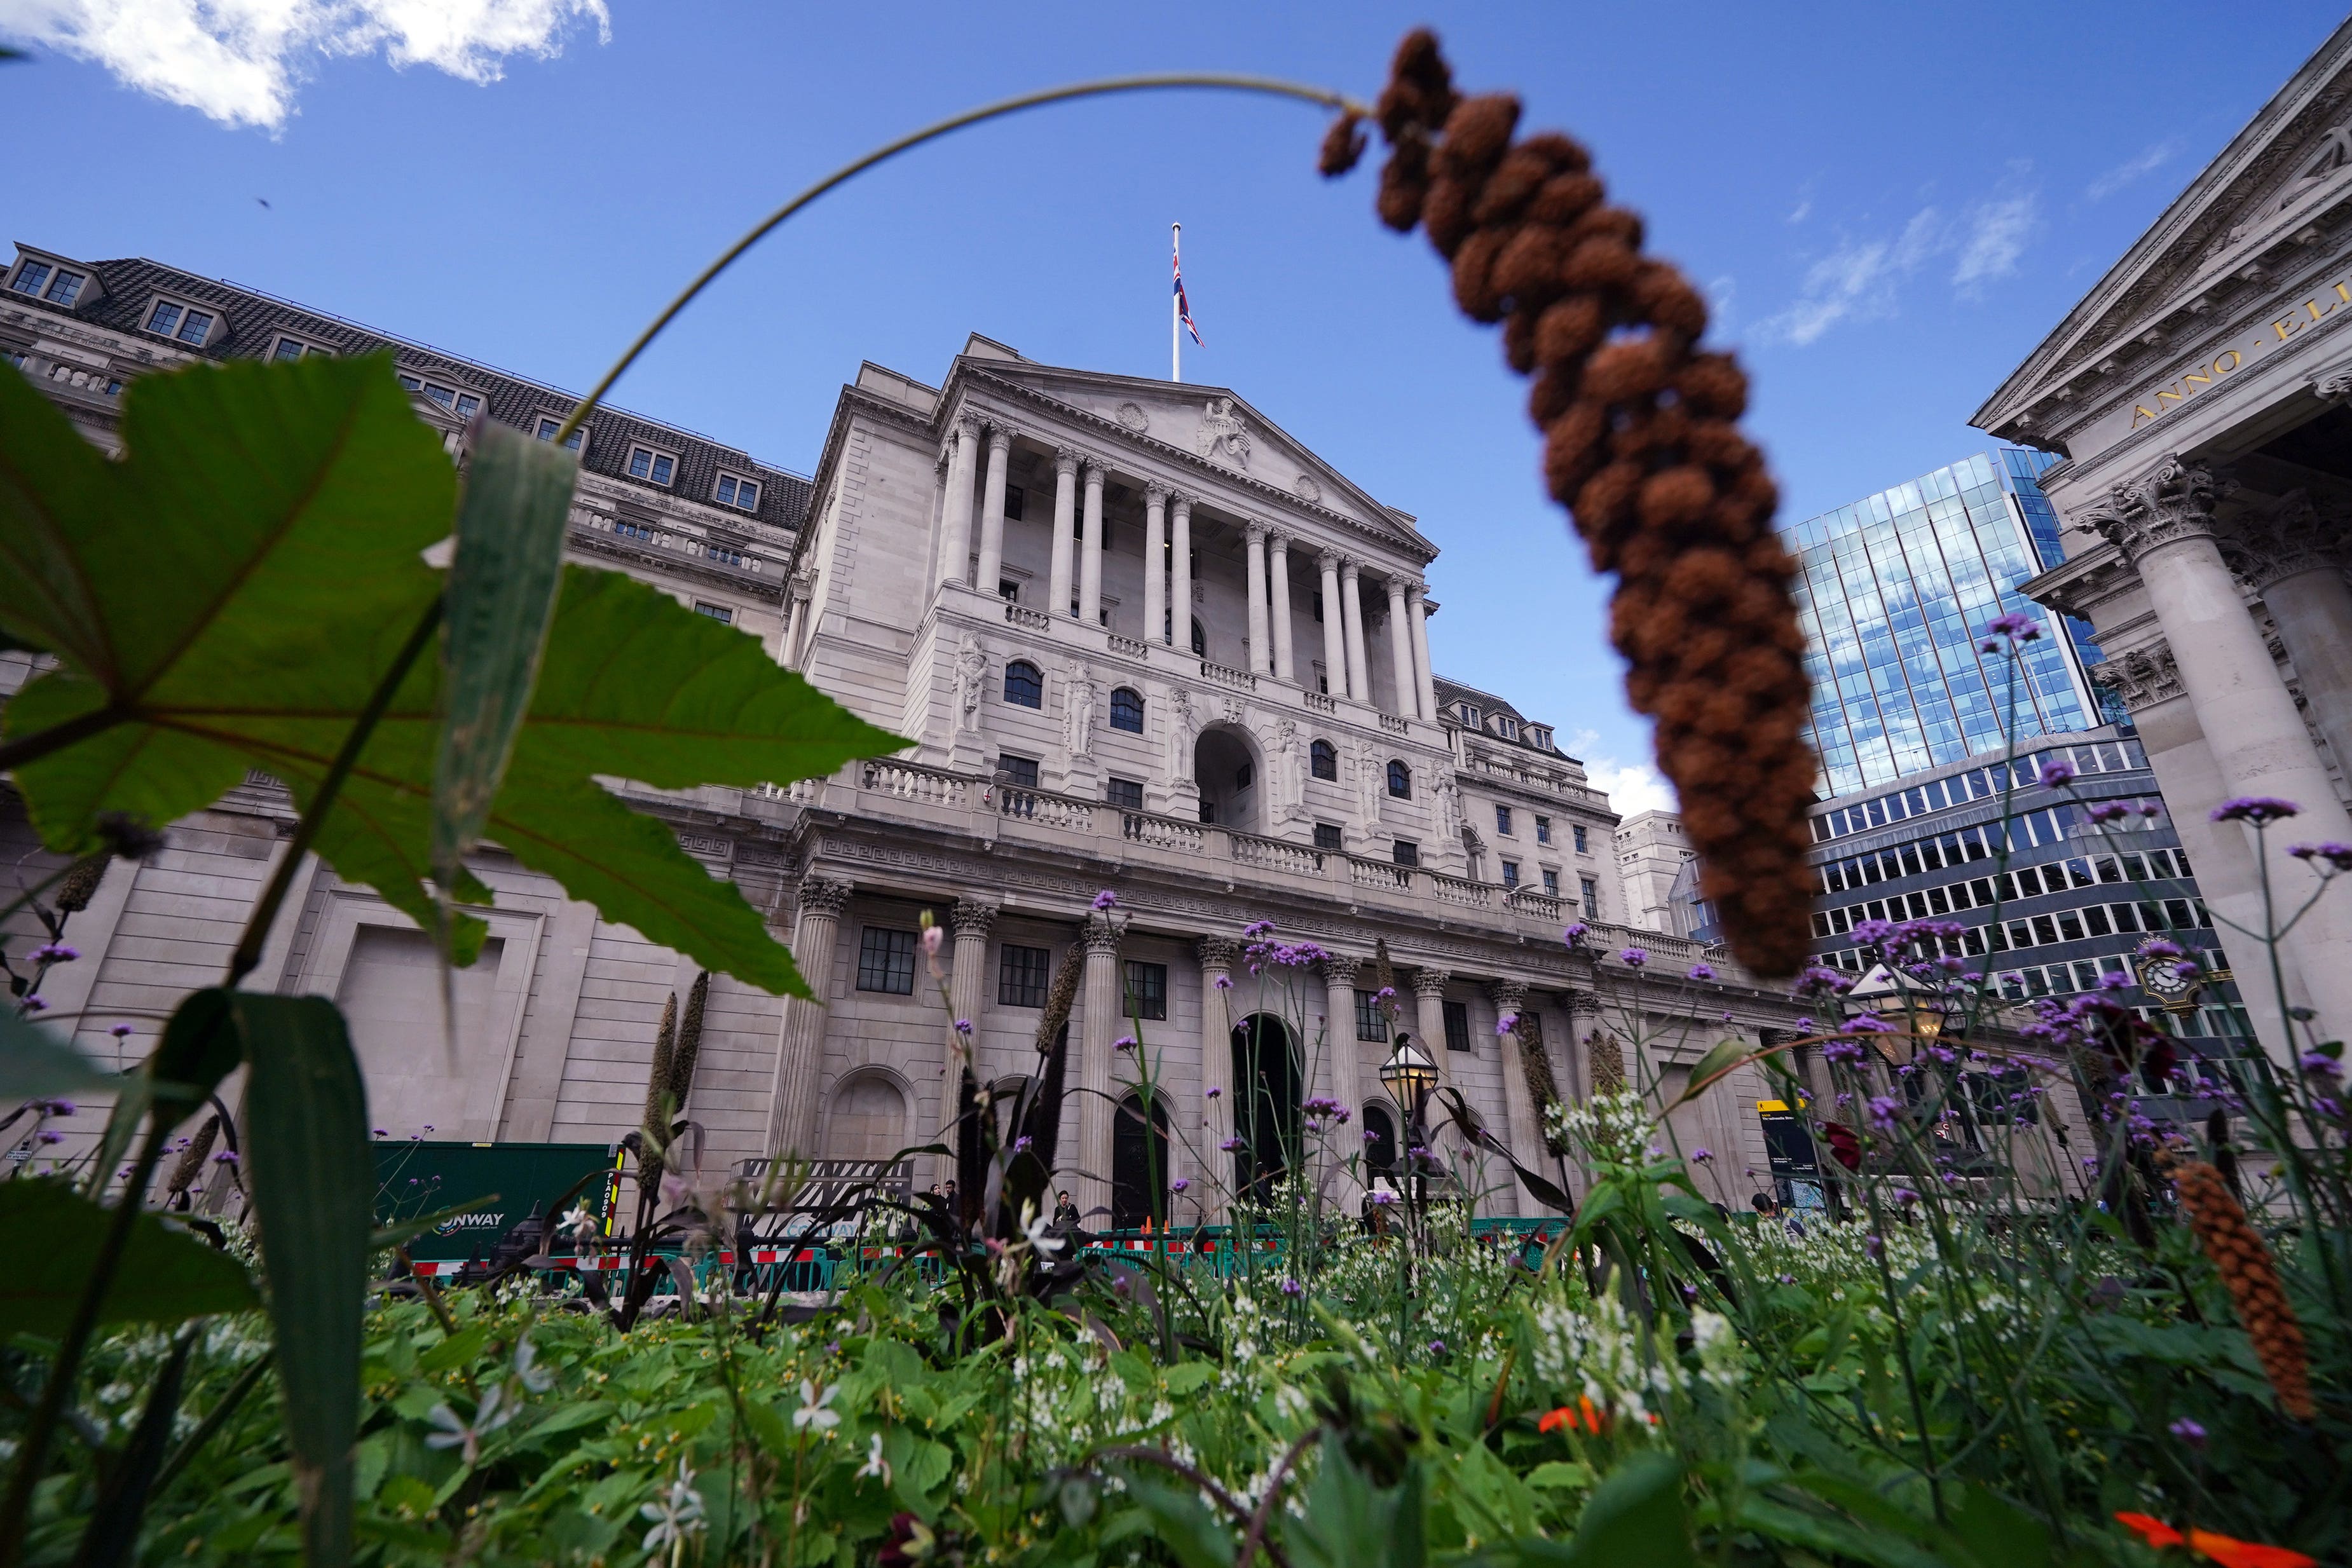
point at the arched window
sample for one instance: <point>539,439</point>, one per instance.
<point>1380,1141</point>
<point>1126,710</point>
<point>1023,684</point>
<point>1138,1165</point>
<point>1400,777</point>
<point>1200,639</point>
<point>1323,761</point>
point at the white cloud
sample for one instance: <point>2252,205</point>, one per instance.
<point>1996,232</point>
<point>241,61</point>
<point>1855,282</point>
<point>2124,173</point>
<point>1803,209</point>
<point>1631,787</point>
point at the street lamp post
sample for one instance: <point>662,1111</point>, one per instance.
<point>1410,1074</point>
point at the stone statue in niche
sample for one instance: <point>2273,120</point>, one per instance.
<point>1286,747</point>
<point>1449,806</point>
<point>971,677</point>
<point>1078,710</point>
<point>1372,781</point>
<point>1222,434</point>
<point>1183,724</point>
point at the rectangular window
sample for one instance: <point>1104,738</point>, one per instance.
<point>2046,930</point>
<point>548,427</point>
<point>1319,607</point>
<point>1457,1026</point>
<point>885,961</point>
<point>1022,770</point>
<point>1404,851</point>
<point>1371,1022</point>
<point>1127,794</point>
<point>1503,821</point>
<point>1589,891</point>
<point>1023,975</point>
<point>645,463</point>
<point>1328,837</point>
<point>734,492</point>
<point>718,613</point>
<point>63,286</point>
<point>196,326</point>
<point>1146,990</point>
<point>1543,830</point>
<point>2070,927</point>
<point>1016,503</point>
<point>166,317</point>
<point>290,349</point>
<point>32,273</point>
<point>2126,919</point>
<point>1582,848</point>
<point>1551,882</point>
<point>1510,874</point>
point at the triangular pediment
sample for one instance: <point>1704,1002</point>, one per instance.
<point>1216,427</point>
<point>2288,170</point>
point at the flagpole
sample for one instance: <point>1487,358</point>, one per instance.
<point>1175,313</point>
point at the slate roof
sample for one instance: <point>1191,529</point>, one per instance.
<point>1451,693</point>
<point>254,320</point>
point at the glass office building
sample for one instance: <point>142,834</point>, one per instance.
<point>1894,591</point>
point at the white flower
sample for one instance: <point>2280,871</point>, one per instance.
<point>677,1515</point>
<point>527,1372</point>
<point>1035,1226</point>
<point>578,1222</point>
<point>493,1413</point>
<point>813,1411</point>
<point>875,1465</point>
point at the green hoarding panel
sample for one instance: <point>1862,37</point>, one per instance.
<point>420,1176</point>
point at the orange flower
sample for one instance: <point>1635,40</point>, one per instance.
<point>1563,1417</point>
<point>2227,1551</point>
<point>1595,1418</point>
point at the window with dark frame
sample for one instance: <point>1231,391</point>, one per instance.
<point>1371,1022</point>
<point>1543,829</point>
<point>1127,794</point>
<point>1126,710</point>
<point>645,463</point>
<point>1328,837</point>
<point>1024,687</point>
<point>1590,891</point>
<point>1404,851</point>
<point>885,961</point>
<point>1578,828</point>
<point>1022,771</point>
<point>1400,781</point>
<point>1551,882</point>
<point>1503,821</point>
<point>1023,975</point>
<point>1147,991</point>
<point>1510,874</point>
<point>1457,1026</point>
<point>1323,761</point>
<point>548,426</point>
<point>734,492</point>
<point>1244,776</point>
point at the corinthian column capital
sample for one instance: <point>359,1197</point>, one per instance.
<point>1067,460</point>
<point>820,895</point>
<point>2266,547</point>
<point>973,918</point>
<point>2143,676</point>
<point>2172,501</point>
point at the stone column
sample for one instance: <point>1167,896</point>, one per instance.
<point>2289,556</point>
<point>800,1045</point>
<point>955,522</point>
<point>1255,534</point>
<point>1278,561</point>
<point>1424,684</point>
<point>2164,524</point>
<point>1155,560</point>
<point>1065,515</point>
<point>992,509</point>
<point>1429,1015</point>
<point>1179,573</point>
<point>968,980</point>
<point>1408,680</point>
<point>1510,997</point>
<point>1217,1065</point>
<point>1360,680</point>
<point>1340,1078</point>
<point>1090,555</point>
<point>1098,1028</point>
<point>1335,644</point>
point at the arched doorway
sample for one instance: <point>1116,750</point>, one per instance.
<point>1225,767</point>
<point>1138,1165</point>
<point>1379,1143</point>
<point>1267,1085</point>
<point>866,1119</point>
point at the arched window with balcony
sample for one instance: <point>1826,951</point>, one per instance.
<point>1200,639</point>
<point>1323,761</point>
<point>1024,687</point>
<point>1399,779</point>
<point>1126,710</point>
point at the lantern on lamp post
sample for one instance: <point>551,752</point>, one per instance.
<point>1410,1074</point>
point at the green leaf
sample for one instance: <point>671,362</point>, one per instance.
<point>53,1234</point>
<point>313,1183</point>
<point>36,1062</point>
<point>1990,1531</point>
<point>231,596</point>
<point>500,599</point>
<point>1184,1524</point>
<point>259,543</point>
<point>1722,1059</point>
<point>454,1350</point>
<point>1635,1515</point>
<point>1350,1523</point>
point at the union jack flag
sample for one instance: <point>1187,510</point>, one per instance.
<point>1184,306</point>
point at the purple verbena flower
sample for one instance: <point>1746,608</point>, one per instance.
<point>1213,1092</point>
<point>2056,773</point>
<point>1702,972</point>
<point>54,952</point>
<point>1179,1184</point>
<point>1702,1154</point>
<point>2337,856</point>
<point>1222,983</point>
<point>1505,1024</point>
<point>1574,933</point>
<point>2259,810</point>
<point>1633,957</point>
<point>2319,1064</point>
<point>2188,1432</point>
<point>1105,899</point>
<point>2016,626</point>
<point>120,1031</point>
<point>1230,1145</point>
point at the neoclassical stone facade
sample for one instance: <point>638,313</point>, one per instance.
<point>2199,394</point>
<point>1138,640</point>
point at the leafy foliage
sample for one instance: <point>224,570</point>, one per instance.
<point>53,1236</point>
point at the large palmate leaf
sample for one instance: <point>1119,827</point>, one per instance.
<point>632,685</point>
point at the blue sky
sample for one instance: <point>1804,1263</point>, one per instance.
<point>1889,203</point>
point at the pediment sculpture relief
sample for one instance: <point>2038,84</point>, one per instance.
<point>1222,435</point>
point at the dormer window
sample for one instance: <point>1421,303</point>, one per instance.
<point>183,323</point>
<point>1508,729</point>
<point>287,348</point>
<point>1537,735</point>
<point>57,285</point>
<point>655,468</point>
<point>734,492</point>
<point>1469,713</point>
<point>464,405</point>
<point>548,425</point>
